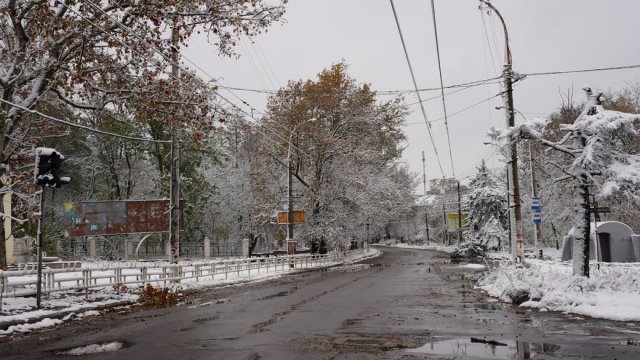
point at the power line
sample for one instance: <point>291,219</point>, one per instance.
<point>461,110</point>
<point>486,34</point>
<point>624,67</point>
<point>415,85</point>
<point>444,103</point>
<point>211,77</point>
<point>166,58</point>
<point>55,119</point>
<point>466,84</point>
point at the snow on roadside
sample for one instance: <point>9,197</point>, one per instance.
<point>93,349</point>
<point>427,246</point>
<point>612,292</point>
<point>23,316</point>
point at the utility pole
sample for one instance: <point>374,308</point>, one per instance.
<point>39,248</point>
<point>426,222</point>
<point>537,233</point>
<point>459,215</point>
<point>174,227</point>
<point>446,233</point>
<point>291,243</point>
<point>509,210</point>
<point>424,173</point>
<point>507,74</point>
<point>367,240</point>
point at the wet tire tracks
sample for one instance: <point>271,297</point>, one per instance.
<point>277,317</point>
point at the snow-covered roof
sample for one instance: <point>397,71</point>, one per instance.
<point>605,224</point>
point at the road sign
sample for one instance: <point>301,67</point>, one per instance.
<point>298,217</point>
<point>603,209</point>
<point>88,218</point>
<point>535,204</point>
<point>536,218</point>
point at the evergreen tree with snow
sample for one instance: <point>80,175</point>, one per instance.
<point>486,205</point>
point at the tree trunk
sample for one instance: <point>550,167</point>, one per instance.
<point>582,233</point>
<point>582,219</point>
<point>3,249</point>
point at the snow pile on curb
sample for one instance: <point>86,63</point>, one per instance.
<point>369,254</point>
<point>429,246</point>
<point>612,292</point>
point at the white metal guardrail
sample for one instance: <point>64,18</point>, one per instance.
<point>17,283</point>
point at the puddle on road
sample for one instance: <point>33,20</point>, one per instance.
<point>489,349</point>
<point>485,306</point>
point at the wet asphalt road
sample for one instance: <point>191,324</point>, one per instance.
<point>406,304</point>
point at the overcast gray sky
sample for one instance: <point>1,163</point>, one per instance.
<point>545,35</point>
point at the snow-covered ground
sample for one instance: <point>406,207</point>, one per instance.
<point>20,315</point>
<point>611,292</point>
<point>429,246</point>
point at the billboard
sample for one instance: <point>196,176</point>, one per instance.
<point>452,222</point>
<point>298,217</point>
<point>87,218</point>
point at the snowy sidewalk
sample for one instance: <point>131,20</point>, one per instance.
<point>612,292</point>
<point>20,315</point>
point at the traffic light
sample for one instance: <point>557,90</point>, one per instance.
<point>47,172</point>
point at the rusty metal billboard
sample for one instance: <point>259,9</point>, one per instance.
<point>298,217</point>
<point>87,218</point>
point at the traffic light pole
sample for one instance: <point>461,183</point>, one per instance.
<point>39,248</point>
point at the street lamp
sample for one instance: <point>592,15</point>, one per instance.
<point>508,75</point>
<point>291,243</point>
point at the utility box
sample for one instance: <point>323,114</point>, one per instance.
<point>610,241</point>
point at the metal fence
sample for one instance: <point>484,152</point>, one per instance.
<point>114,249</point>
<point>22,282</point>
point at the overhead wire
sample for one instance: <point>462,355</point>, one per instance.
<point>267,74</point>
<point>624,67</point>
<point>460,111</point>
<point>266,59</point>
<point>487,48</point>
<point>166,58</point>
<point>415,85</point>
<point>87,128</point>
<point>466,84</point>
<point>254,65</point>
<point>486,33</point>
<point>444,103</point>
<point>170,61</point>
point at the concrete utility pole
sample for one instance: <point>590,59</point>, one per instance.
<point>291,242</point>
<point>445,240</point>
<point>426,223</point>
<point>424,173</point>
<point>174,226</point>
<point>507,74</point>
<point>459,215</point>
<point>509,211</point>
